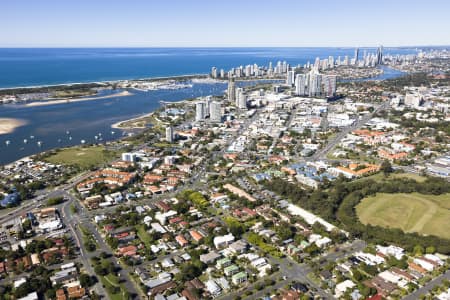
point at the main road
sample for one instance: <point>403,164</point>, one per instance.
<point>428,287</point>
<point>322,153</point>
<point>74,221</point>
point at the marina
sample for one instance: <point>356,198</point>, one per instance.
<point>86,122</point>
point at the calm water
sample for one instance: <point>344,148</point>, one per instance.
<point>85,120</point>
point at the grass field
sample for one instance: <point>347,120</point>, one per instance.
<point>110,281</point>
<point>425,214</point>
<point>380,177</point>
<point>416,177</point>
<point>144,236</point>
<point>83,157</point>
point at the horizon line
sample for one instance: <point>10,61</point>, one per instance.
<point>212,47</point>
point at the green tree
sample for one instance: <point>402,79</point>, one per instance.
<point>430,250</point>
<point>386,167</point>
<point>86,280</point>
<point>418,250</point>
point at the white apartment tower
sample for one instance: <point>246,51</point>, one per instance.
<point>290,77</point>
<point>215,112</point>
<point>169,134</point>
<point>300,85</point>
<point>231,90</point>
<point>241,101</point>
<point>199,111</point>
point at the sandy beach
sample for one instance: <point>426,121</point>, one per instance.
<point>63,101</point>
<point>118,125</point>
<point>8,125</point>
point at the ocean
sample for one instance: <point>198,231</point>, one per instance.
<point>48,66</point>
<point>85,120</point>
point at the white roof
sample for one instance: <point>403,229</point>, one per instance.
<point>258,262</point>
<point>343,286</point>
<point>309,217</point>
<point>50,225</point>
<point>218,240</point>
<point>212,287</point>
<point>30,296</point>
<point>223,283</point>
<point>19,282</point>
<point>68,265</point>
<point>434,258</point>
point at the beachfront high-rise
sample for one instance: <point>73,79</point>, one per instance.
<point>214,72</point>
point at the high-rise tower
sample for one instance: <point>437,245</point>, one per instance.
<point>169,134</point>
<point>200,111</point>
<point>356,55</point>
<point>215,111</point>
<point>231,90</point>
<point>380,55</point>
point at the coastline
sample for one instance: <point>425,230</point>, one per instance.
<point>106,82</point>
<point>72,100</point>
<point>8,125</point>
<point>117,125</point>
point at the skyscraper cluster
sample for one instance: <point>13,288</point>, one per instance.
<point>208,108</point>
<point>251,71</point>
<point>314,84</point>
<point>236,95</point>
<point>367,60</point>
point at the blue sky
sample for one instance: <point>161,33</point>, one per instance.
<point>187,23</point>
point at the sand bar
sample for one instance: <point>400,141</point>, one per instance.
<point>120,125</point>
<point>69,100</point>
<point>8,125</point>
